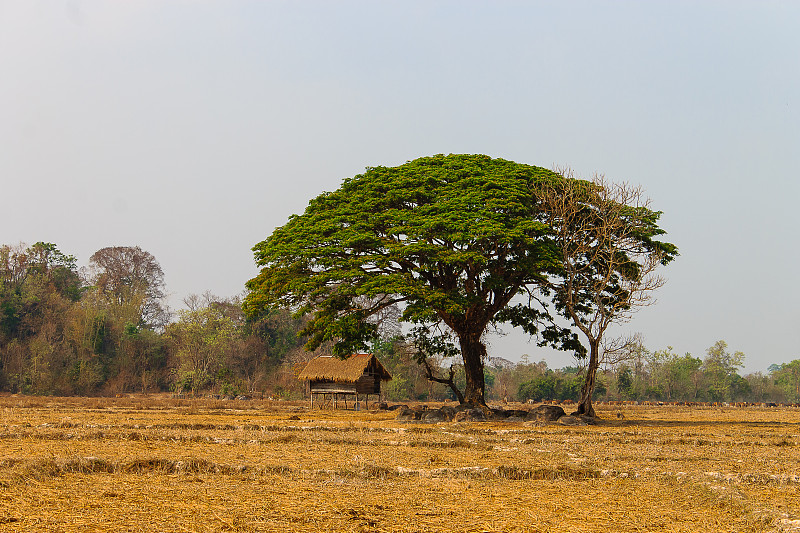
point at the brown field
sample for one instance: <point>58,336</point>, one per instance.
<point>158,464</point>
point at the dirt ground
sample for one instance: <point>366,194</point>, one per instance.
<point>160,464</point>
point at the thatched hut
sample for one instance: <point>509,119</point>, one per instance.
<point>357,375</point>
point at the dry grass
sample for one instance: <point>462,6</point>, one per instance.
<point>157,464</point>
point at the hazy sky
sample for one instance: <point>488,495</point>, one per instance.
<point>194,128</point>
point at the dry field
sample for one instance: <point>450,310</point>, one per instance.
<point>157,464</point>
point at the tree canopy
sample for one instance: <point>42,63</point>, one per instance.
<point>132,277</point>
<point>453,239</point>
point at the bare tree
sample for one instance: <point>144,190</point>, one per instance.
<point>431,345</point>
<point>621,350</point>
<point>605,234</point>
<point>130,276</point>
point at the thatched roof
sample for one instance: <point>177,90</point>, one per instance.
<point>330,368</point>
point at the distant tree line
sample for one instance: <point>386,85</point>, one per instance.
<point>105,329</point>
<point>663,375</point>
<point>642,375</point>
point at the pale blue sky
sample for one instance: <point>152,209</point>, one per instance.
<point>194,128</point>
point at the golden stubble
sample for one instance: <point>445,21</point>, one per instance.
<point>158,464</point>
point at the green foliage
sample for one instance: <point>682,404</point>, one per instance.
<point>666,376</point>
<point>555,385</point>
<point>408,379</point>
<point>507,379</point>
<point>191,380</point>
<point>722,382</point>
<point>58,336</point>
<point>277,329</point>
<point>625,382</point>
<point>787,377</point>
<point>538,389</point>
<point>38,286</point>
<point>200,339</point>
<point>399,388</point>
<point>213,347</point>
<point>424,233</point>
<point>33,280</point>
<point>675,376</point>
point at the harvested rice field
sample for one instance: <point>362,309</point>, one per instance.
<point>161,464</point>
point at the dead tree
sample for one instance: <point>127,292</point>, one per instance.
<point>606,236</point>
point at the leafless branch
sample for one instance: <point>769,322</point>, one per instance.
<point>621,349</point>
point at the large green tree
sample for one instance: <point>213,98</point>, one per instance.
<point>452,239</point>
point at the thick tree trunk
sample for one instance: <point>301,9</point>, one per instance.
<point>585,402</point>
<point>473,351</point>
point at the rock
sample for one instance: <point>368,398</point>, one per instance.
<point>578,420</point>
<point>502,414</point>
<point>436,415</point>
<point>470,415</point>
<point>515,419</point>
<point>545,413</point>
<point>569,420</point>
<point>448,411</point>
<point>406,414</point>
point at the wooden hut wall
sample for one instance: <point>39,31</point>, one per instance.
<point>368,384</point>
<point>331,386</point>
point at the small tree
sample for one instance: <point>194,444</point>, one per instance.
<point>720,368</point>
<point>605,234</point>
<point>201,339</point>
<point>624,382</point>
<point>676,377</point>
<point>787,377</point>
